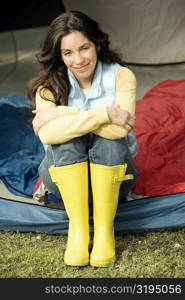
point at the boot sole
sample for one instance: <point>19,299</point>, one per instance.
<point>76,263</point>
<point>102,264</point>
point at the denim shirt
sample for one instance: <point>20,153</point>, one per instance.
<point>101,93</point>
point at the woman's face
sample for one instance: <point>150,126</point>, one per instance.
<point>79,55</point>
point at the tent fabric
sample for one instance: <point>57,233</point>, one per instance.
<point>160,131</point>
<point>150,213</point>
<point>145,32</point>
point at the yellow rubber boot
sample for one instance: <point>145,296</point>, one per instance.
<point>106,181</point>
<point>72,182</point>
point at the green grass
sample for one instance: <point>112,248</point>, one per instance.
<point>150,254</point>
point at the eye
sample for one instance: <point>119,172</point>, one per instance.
<point>66,53</point>
<point>85,47</point>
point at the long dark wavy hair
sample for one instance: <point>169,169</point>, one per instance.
<point>53,72</point>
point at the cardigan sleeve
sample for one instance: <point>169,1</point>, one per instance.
<point>71,122</point>
<point>126,97</point>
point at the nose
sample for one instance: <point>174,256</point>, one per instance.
<point>78,58</point>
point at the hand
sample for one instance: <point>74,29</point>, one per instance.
<point>42,116</point>
<point>121,117</point>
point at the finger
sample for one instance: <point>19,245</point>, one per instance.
<point>36,129</point>
<point>130,122</point>
<point>36,111</point>
<point>132,118</point>
<point>128,127</point>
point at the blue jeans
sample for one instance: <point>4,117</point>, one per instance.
<point>92,148</point>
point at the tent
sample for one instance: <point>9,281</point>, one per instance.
<point>150,35</point>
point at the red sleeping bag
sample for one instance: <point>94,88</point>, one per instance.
<point>160,131</point>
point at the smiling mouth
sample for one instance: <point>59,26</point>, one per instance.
<point>80,68</point>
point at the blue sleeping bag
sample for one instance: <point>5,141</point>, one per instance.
<point>20,150</point>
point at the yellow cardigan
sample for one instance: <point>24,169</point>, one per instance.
<point>73,122</point>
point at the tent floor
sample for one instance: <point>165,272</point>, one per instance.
<point>5,193</point>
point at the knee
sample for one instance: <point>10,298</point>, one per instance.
<point>110,152</point>
<point>68,153</point>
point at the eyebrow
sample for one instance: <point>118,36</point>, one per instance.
<point>85,44</point>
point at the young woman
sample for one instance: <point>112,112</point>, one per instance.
<point>85,112</point>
